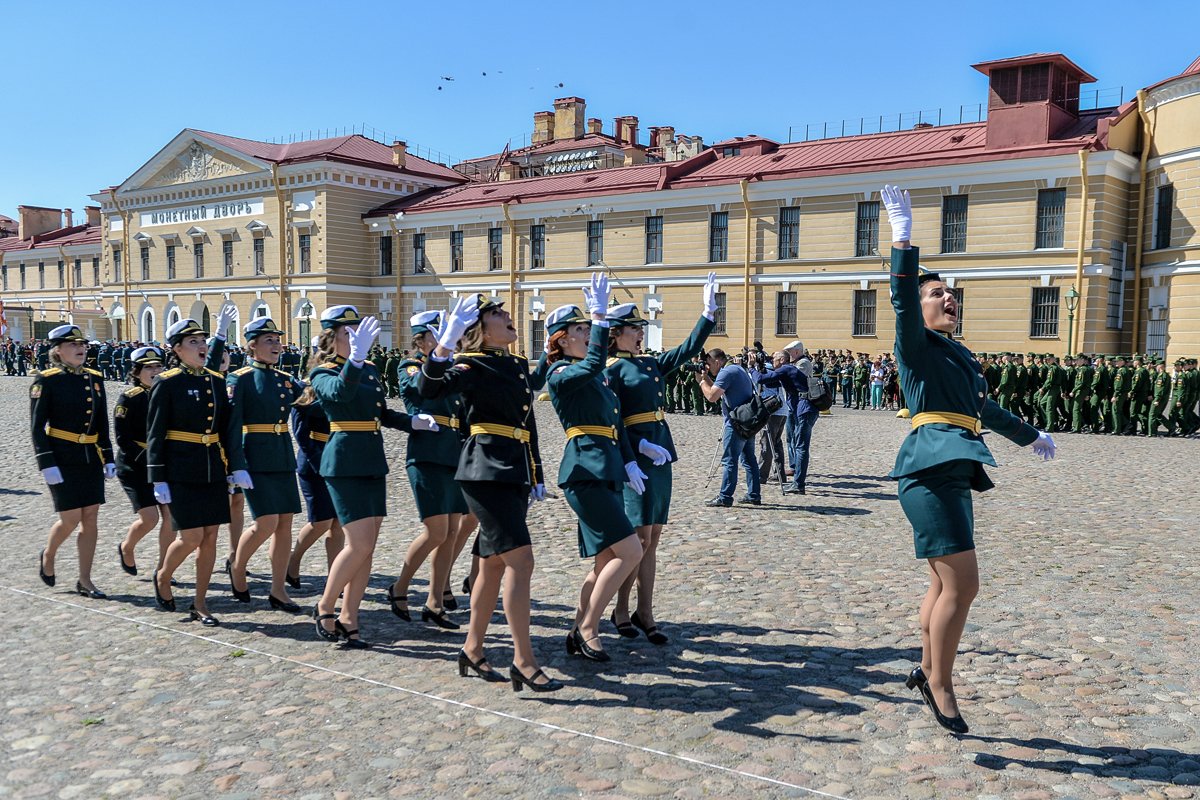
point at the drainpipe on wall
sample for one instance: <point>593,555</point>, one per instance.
<point>744,184</point>
<point>1147,140</point>
<point>285,237</point>
<point>67,279</point>
<point>127,328</point>
<point>512,268</point>
<point>1083,216</point>
<point>396,305</point>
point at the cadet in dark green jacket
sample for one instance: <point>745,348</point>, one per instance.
<point>68,413</point>
<point>261,396</point>
<point>1139,397</point>
<point>353,463</point>
<point>942,459</point>
<point>1081,393</point>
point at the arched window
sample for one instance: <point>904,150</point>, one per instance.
<point>146,324</point>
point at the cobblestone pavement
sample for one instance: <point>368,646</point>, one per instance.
<point>792,627</point>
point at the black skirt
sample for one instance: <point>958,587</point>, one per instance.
<point>82,486</point>
<point>501,509</point>
<point>138,489</point>
<point>199,505</point>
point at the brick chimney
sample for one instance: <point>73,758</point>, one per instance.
<point>543,127</point>
<point>569,113</point>
<point>595,125</point>
<point>626,129</point>
<point>1031,98</point>
<point>660,137</point>
<point>399,153</point>
<point>93,215</point>
<point>510,171</point>
<point>633,155</point>
<point>33,220</point>
<point>68,217</point>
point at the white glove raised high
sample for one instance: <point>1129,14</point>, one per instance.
<point>636,478</point>
<point>464,314</point>
<point>423,422</point>
<point>597,295</point>
<point>224,320</point>
<point>162,493</point>
<point>1044,446</point>
<point>711,289</point>
<point>899,211</point>
<point>52,476</point>
<point>361,338</point>
<point>110,471</point>
<point>657,455</point>
<point>241,479</point>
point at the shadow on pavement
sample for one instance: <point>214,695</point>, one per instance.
<point>1152,763</point>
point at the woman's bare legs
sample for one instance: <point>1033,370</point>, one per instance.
<point>953,584</point>
<point>613,565</point>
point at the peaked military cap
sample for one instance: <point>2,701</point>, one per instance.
<point>66,333</point>
<point>928,276</point>
<point>182,328</point>
<point>424,322</point>
<point>563,317</point>
<point>485,302</point>
<point>145,356</point>
<point>257,327</point>
<point>336,316</point>
<point>626,314</point>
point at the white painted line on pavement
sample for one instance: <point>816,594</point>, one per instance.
<point>434,697</point>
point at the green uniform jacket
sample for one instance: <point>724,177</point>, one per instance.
<point>443,446</point>
<point>1008,379</point>
<point>263,395</point>
<point>191,401</point>
<point>1141,384</point>
<point>638,383</point>
<point>1161,394</point>
<point>581,396</point>
<point>72,400</point>
<point>1054,381</point>
<point>354,393</point>
<point>1120,383</point>
<point>1081,387</point>
<point>937,374</point>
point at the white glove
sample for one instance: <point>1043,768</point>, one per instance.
<point>1044,446</point>
<point>224,320</point>
<point>53,476</point>
<point>636,477</point>
<point>711,287</point>
<point>464,314</point>
<point>597,296</point>
<point>423,422</point>
<point>241,479</point>
<point>361,339</point>
<point>538,492</point>
<point>110,471</point>
<point>162,493</point>
<point>657,455</point>
<point>899,211</point>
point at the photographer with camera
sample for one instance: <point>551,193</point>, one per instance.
<point>728,384</point>
<point>772,456</point>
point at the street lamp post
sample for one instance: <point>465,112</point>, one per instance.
<point>1072,304</point>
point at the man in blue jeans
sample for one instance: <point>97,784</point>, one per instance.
<point>731,388</point>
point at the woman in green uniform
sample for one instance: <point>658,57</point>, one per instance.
<point>942,458</point>
<point>431,461</point>
<point>639,381</point>
<point>129,427</point>
<point>261,397</point>
<point>191,448</point>
<point>353,463</point>
<point>596,463</point>
<point>68,413</point>
<point>499,471</point>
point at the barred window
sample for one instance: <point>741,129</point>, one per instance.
<point>420,265</point>
<point>789,232</point>
<point>116,266</point>
<point>456,251</point>
<point>170,262</point>
<point>537,336</point>
<point>785,314</point>
<point>1051,211</point>
<point>864,312</point>
<point>305,252</point>
<point>954,223</point>
<point>719,316</point>
<point>718,236</point>
<point>227,256</point>
<point>537,247</point>
<point>1156,337</point>
<point>654,240</point>
<point>62,276</point>
<point>21,270</point>
<point>144,257</point>
<point>495,249</point>
<point>385,255</point>
<point>866,228</point>
<point>259,257</point>
<point>198,258</point>
<point>595,242</point>
<point>95,270</point>
<point>1164,209</point>
<point>958,295</point>
<point>77,274</point>
<point>1044,313</point>
<point>1115,316</point>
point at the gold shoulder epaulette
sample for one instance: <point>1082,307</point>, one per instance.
<point>469,355</point>
<point>328,365</point>
<point>95,372</point>
<point>243,370</point>
<point>612,360</point>
<point>214,373</point>
<point>171,373</point>
<point>46,373</point>
<point>133,391</point>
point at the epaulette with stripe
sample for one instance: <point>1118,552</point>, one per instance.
<point>214,373</point>
<point>243,371</point>
<point>46,373</point>
<point>171,373</point>
<point>95,372</point>
<point>612,360</point>
<point>133,391</point>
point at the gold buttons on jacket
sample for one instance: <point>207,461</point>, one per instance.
<point>524,408</point>
<point>981,394</point>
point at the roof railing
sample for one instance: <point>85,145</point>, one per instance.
<point>367,131</point>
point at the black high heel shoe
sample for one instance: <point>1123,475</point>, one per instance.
<point>465,663</point>
<point>46,579</point>
<point>519,681</point>
<point>95,594</point>
<point>164,603</point>
<point>290,581</point>
<point>626,628</point>
<point>282,605</point>
<point>322,631</point>
<point>467,585</point>
<point>438,618</point>
<point>402,613</point>
<point>916,678</point>
<point>207,620</point>
<point>449,601</point>
<point>652,633</point>
<point>576,645</point>
<point>242,596</point>
<point>953,724</point>
<point>353,644</point>
<point>121,555</point>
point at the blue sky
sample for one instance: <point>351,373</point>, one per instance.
<point>97,88</point>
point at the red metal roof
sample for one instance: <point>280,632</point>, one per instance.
<point>986,67</point>
<point>62,237</point>
<point>1193,68</point>
<point>585,141</point>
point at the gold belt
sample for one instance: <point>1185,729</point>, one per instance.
<point>447,422</point>
<point>592,430</point>
<point>973,424</point>
<point>278,427</point>
<point>648,416</point>
<point>520,434</point>
<point>355,426</point>
<point>194,438</point>
<point>71,436</point>
<point>318,436</point>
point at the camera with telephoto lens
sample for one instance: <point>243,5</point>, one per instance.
<point>692,366</point>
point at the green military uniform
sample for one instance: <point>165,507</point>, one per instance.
<point>1050,393</point>
<point>862,379</point>
<point>693,390</point>
<point>1160,403</point>
<point>1119,414</point>
<point>1006,386</point>
<point>1101,396</point>
<point>1081,393</point>
<point>1191,399</point>
<point>1139,401</point>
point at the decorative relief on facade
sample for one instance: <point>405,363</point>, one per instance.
<point>194,164</point>
<point>1175,90</point>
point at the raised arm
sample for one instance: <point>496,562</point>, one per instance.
<point>691,346</point>
<point>905,275</point>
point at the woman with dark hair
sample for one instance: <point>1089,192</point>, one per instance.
<point>353,463</point>
<point>499,471</point>
<point>68,412</point>
<point>129,427</point>
<point>638,381</point>
<point>191,448</point>
<point>941,461</point>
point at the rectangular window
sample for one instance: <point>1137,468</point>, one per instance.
<point>227,257</point>
<point>42,274</point>
<point>456,251</point>
<point>116,266</point>
<point>954,223</point>
<point>1115,317</point>
<point>595,242</point>
<point>537,247</point>
<point>495,249</point>
<point>785,314</point>
<point>4,277</point>
<point>259,257</point>
<point>958,295</point>
<point>1164,210</point>
<point>720,315</point>
<point>198,258</point>
<point>1156,337</point>
<point>1044,313</point>
<point>21,270</point>
<point>537,336</point>
<point>144,253</point>
<point>864,312</point>
<point>77,272</point>
<point>654,240</point>
<point>306,252</point>
<point>170,262</point>
<point>718,236</point>
<point>419,264</point>
<point>385,255</point>
<point>1051,212</point>
<point>62,276</point>
<point>866,229</point>
<point>789,232</point>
